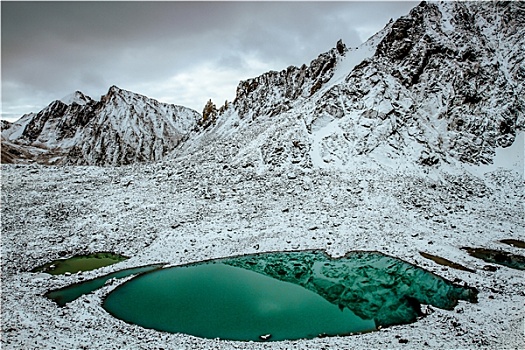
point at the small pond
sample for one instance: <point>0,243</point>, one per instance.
<point>498,257</point>
<point>80,263</point>
<point>286,295</point>
<point>445,262</point>
<point>67,294</point>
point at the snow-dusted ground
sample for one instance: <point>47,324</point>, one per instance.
<point>195,208</point>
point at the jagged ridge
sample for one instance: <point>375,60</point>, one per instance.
<point>273,92</point>
<point>440,85</point>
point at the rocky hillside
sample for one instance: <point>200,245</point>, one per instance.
<point>443,84</point>
<point>274,92</point>
<point>121,128</point>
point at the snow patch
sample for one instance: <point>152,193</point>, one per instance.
<point>352,58</point>
<point>319,155</point>
<point>446,17</point>
<point>76,97</point>
<point>18,127</point>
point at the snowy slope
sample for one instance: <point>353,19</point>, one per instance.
<point>76,97</point>
<point>201,207</point>
<point>14,130</point>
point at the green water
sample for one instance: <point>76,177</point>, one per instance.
<point>289,295</point>
<point>371,285</point>
<point>221,301</point>
<point>498,257</point>
<point>67,294</point>
<point>80,263</point>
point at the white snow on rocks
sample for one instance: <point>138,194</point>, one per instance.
<point>76,97</point>
<point>510,158</point>
<point>192,209</point>
<point>122,128</point>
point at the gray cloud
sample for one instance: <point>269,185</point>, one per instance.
<point>50,49</point>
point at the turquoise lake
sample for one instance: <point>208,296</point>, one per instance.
<point>274,296</point>
<point>222,301</point>
<point>283,295</point>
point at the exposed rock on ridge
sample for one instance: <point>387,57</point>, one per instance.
<point>440,85</point>
<point>275,92</point>
<point>447,76</point>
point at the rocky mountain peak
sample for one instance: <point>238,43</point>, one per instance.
<point>57,121</point>
<point>76,97</point>
<point>117,96</point>
<point>275,92</point>
<point>443,84</point>
<point>341,47</point>
<point>121,128</point>
<point>440,85</point>
<point>114,89</point>
<point>115,93</point>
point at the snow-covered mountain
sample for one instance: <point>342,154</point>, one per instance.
<point>440,85</point>
<point>121,128</point>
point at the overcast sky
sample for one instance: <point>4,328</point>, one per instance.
<point>176,52</point>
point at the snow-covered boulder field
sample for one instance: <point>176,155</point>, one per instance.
<point>179,212</point>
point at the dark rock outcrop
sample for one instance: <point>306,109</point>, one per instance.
<point>440,85</point>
